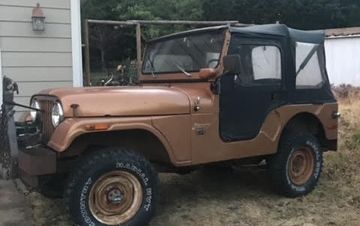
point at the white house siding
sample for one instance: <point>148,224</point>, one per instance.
<point>36,60</point>
<point>343,60</point>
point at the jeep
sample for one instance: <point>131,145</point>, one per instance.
<point>220,95</point>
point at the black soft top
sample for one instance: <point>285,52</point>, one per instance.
<point>188,32</point>
<point>316,37</point>
<point>288,38</point>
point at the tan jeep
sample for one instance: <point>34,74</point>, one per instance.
<point>217,95</point>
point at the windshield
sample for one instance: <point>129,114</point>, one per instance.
<point>184,54</point>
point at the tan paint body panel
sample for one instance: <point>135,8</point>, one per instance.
<point>175,129</point>
<point>121,101</point>
<point>178,133</point>
<point>72,128</point>
<point>210,148</point>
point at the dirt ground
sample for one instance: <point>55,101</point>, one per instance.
<point>14,208</point>
<point>244,197</point>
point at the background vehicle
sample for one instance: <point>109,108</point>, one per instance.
<point>208,96</point>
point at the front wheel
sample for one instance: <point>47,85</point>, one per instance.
<point>112,187</point>
<point>296,168</point>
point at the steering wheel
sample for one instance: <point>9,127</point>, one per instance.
<point>211,63</point>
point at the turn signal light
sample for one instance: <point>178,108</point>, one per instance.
<point>98,126</point>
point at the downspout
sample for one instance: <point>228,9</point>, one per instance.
<point>76,43</point>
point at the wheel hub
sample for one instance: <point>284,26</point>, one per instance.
<point>301,166</point>
<point>115,197</point>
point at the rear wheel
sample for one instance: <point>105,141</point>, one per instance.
<point>112,187</point>
<point>296,168</point>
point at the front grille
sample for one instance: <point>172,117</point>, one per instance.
<point>46,124</point>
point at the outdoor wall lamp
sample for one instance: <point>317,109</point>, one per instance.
<point>38,19</point>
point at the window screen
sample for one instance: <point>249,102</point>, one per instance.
<point>308,66</point>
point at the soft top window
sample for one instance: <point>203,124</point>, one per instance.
<point>308,70</point>
<point>266,62</point>
<point>260,64</point>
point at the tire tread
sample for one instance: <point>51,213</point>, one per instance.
<point>98,157</point>
<point>277,163</point>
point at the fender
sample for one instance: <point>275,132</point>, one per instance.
<point>324,113</point>
<point>72,128</point>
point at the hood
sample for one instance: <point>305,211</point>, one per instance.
<point>121,101</point>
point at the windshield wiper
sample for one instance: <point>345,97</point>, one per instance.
<point>183,70</point>
<point>152,70</point>
<point>151,67</point>
<point>178,67</point>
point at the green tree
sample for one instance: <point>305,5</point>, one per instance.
<point>303,14</point>
<point>115,42</point>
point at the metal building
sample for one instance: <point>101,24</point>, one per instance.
<point>342,48</point>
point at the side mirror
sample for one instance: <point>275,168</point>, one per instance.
<point>207,73</point>
<point>232,64</point>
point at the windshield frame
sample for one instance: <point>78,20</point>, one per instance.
<point>180,75</point>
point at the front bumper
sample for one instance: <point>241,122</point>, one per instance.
<point>34,158</point>
<point>36,162</point>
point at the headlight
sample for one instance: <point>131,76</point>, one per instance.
<point>57,114</point>
<point>33,113</point>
